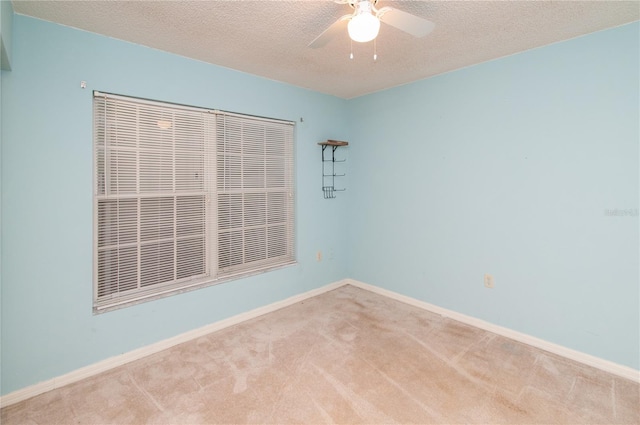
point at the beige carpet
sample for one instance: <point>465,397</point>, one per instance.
<point>347,356</point>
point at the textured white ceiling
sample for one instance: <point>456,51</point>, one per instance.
<point>270,38</point>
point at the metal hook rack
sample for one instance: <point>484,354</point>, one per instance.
<point>328,178</point>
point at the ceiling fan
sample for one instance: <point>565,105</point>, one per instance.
<point>364,23</point>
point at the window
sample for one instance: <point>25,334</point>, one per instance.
<point>186,197</point>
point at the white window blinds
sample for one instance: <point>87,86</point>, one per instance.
<point>185,197</point>
<point>254,181</point>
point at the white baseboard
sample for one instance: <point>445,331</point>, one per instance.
<point>597,362</point>
<point>139,353</point>
<point>110,363</point>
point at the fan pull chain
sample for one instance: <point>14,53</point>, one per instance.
<point>351,54</point>
<point>375,50</point>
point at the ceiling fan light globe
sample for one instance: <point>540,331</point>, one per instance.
<point>363,27</point>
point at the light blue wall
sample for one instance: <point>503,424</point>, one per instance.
<point>508,168</point>
<point>48,328</point>
<point>6,24</point>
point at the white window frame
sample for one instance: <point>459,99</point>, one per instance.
<point>186,197</point>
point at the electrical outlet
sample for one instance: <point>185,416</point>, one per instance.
<point>319,256</point>
<point>489,282</point>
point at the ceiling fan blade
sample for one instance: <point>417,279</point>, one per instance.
<point>412,24</point>
<point>330,32</point>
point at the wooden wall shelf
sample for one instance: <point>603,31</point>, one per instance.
<point>333,143</point>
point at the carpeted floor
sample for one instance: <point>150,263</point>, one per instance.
<point>347,356</point>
